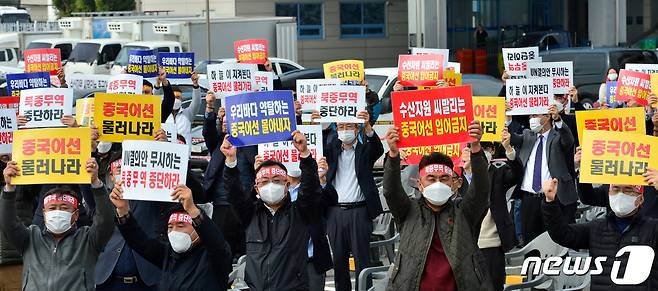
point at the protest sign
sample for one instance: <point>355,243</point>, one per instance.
<point>10,103</point>
<point>560,72</point>
<point>52,155</point>
<point>433,51</point>
<point>260,117</point>
<point>84,111</point>
<point>125,84</point>
<point>177,65</point>
<point>42,60</point>
<point>610,92</point>
<point>264,81</point>
<point>151,170</point>
<point>433,117</point>
<point>307,92</point>
<point>452,78</point>
<point>413,155</point>
<point>654,86</point>
<point>87,81</point>
<point>616,157</point>
<point>643,68</point>
<point>125,116</point>
<point>285,151</point>
<point>490,112</point>
<point>454,66</point>
<point>45,107</point>
<point>143,63</point>
<point>633,86</point>
<point>227,79</point>
<point>18,82</point>
<point>516,59</point>
<point>341,103</point>
<point>420,70</point>
<point>620,120</point>
<point>529,96</point>
<point>171,131</point>
<point>251,51</point>
<point>7,128</point>
<point>351,70</point>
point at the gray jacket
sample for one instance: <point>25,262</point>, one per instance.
<point>459,228</point>
<point>65,265</point>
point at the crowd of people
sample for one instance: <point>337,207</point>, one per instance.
<point>295,226</point>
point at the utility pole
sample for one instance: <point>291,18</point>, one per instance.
<point>208,27</point>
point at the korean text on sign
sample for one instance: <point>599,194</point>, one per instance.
<point>344,70</point>
<point>560,72</point>
<point>260,117</point>
<point>433,51</point>
<point>230,79</point>
<point>45,107</point>
<point>264,81</point>
<point>125,84</point>
<point>18,82</point>
<point>341,103</point>
<point>151,170</point>
<point>307,92</point>
<point>420,70</point>
<point>621,120</point>
<point>177,65</point>
<point>654,86</point>
<point>633,85</point>
<point>251,51</point>
<point>617,157</point>
<point>413,155</point>
<point>121,117</point>
<point>610,92</point>
<point>52,156</point>
<point>84,111</point>
<point>490,112</point>
<point>433,117</point>
<point>143,63</point>
<point>529,96</point>
<point>10,103</point>
<point>516,59</point>
<point>643,68</point>
<point>42,60</point>
<point>285,151</point>
<point>87,82</point>
<point>7,128</point>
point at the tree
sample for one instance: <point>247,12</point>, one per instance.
<point>66,7</point>
<point>115,5</point>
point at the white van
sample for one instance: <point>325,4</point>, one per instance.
<point>93,56</point>
<point>121,61</point>
<point>65,46</point>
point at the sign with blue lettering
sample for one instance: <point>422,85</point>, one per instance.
<point>177,65</point>
<point>18,82</point>
<point>143,63</point>
<point>260,117</point>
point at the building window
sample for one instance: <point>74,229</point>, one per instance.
<point>309,18</point>
<point>362,19</point>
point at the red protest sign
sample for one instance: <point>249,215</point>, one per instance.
<point>42,60</point>
<point>251,51</point>
<point>433,117</point>
<point>10,102</point>
<point>420,70</point>
<point>634,86</point>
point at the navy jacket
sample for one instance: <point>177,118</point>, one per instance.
<point>213,184</point>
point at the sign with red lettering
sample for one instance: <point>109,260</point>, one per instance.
<point>529,96</point>
<point>341,103</point>
<point>285,151</point>
<point>228,79</point>
<point>633,85</point>
<point>413,155</point>
<point>307,92</point>
<point>516,60</point>
<point>251,51</point>
<point>125,84</point>
<point>42,60</point>
<point>45,107</point>
<point>420,70</point>
<point>433,117</point>
<point>264,81</point>
<point>7,128</point>
<point>10,103</point>
<point>560,72</point>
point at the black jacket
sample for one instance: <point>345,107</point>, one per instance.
<point>506,175</point>
<point>204,267</point>
<point>598,196</point>
<point>604,239</point>
<point>167,105</point>
<point>213,184</point>
<point>322,260</point>
<point>368,150</point>
<point>277,244</point>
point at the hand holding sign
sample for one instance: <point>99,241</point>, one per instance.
<point>10,172</point>
<point>578,157</point>
<point>183,194</point>
<point>392,138</point>
<point>323,168</point>
<point>651,177</point>
<point>506,139</point>
<point>301,144</point>
<point>92,169</point>
<point>116,196</point>
<point>475,132</point>
<point>69,121</point>
<point>161,135</point>
<point>229,151</point>
<point>550,189</point>
<point>195,79</point>
<point>258,160</point>
<point>162,77</point>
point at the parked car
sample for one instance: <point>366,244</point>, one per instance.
<point>545,40</point>
<point>280,66</point>
<point>93,56</point>
<point>65,46</point>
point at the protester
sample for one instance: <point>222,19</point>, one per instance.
<point>610,76</point>
<point>183,117</point>
<point>437,238</point>
<point>480,35</point>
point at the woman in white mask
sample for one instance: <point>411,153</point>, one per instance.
<point>610,76</point>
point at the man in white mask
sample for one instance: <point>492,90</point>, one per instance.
<point>183,117</point>
<point>438,240</point>
<point>604,237</point>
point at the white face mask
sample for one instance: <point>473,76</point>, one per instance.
<point>535,124</point>
<point>346,136</point>
<point>180,241</point>
<point>296,173</point>
<point>177,104</point>
<point>559,106</point>
<point>58,221</point>
<point>489,156</point>
<point>612,77</point>
<point>271,193</point>
<point>622,204</point>
<point>104,147</point>
<point>437,193</point>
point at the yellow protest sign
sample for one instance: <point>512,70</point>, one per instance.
<point>654,87</point>
<point>490,112</point>
<point>616,157</point>
<point>84,111</point>
<point>344,70</point>
<point>622,120</point>
<point>126,116</point>
<point>52,155</point>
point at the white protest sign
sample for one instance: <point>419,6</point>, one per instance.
<point>341,103</point>
<point>7,128</point>
<point>560,72</point>
<point>264,81</point>
<point>455,67</point>
<point>228,79</point>
<point>125,84</point>
<point>516,59</point>
<point>87,82</point>
<point>45,107</point>
<point>643,68</point>
<point>151,170</point>
<point>529,96</point>
<point>432,51</point>
<point>285,151</point>
<point>307,92</point>
<point>171,131</point>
